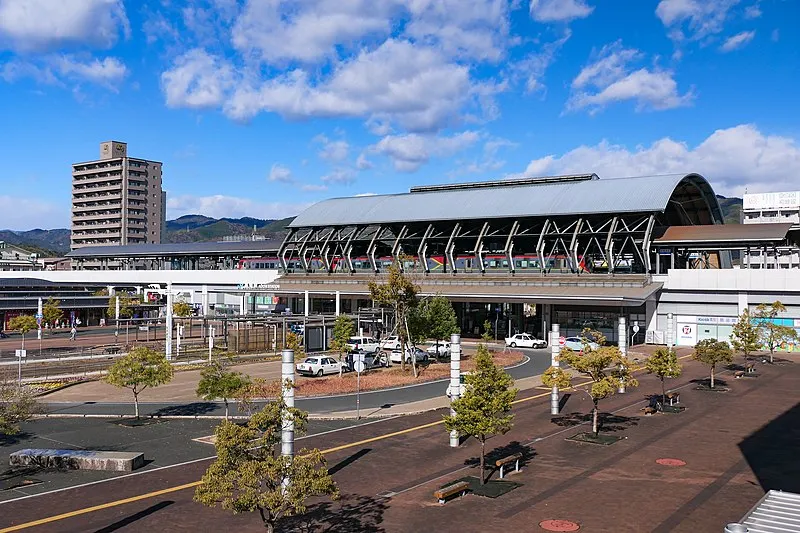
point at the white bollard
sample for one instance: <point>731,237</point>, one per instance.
<point>287,429</point>
<point>455,380</point>
<point>622,344</point>
<point>555,350</point>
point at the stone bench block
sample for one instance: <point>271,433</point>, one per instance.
<point>78,459</point>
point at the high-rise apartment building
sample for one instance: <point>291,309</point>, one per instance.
<point>117,199</point>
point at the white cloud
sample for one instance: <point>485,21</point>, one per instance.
<point>197,80</point>
<point>279,32</point>
<point>339,176</point>
<point>280,173</point>
<point>700,17</point>
<point>753,12</point>
<point>732,159</point>
<point>411,151</point>
<point>362,163</point>
<point>414,86</point>
<point>611,78</point>
<point>737,41</point>
<point>332,150</point>
<point>533,66</point>
<point>29,213</point>
<point>59,69</point>
<point>559,10</point>
<point>218,206</point>
<point>40,25</point>
<point>313,187</point>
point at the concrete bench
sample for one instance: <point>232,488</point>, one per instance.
<point>459,488</point>
<point>78,459</point>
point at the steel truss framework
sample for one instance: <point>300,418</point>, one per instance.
<point>613,240</point>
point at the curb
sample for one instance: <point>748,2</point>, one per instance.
<point>156,417</point>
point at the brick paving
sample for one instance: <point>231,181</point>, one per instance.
<point>736,445</point>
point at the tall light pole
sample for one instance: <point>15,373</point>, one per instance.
<point>622,338</point>
<point>555,350</point>
<point>455,381</point>
<point>168,336</point>
<point>287,389</point>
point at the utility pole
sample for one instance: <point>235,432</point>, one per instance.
<point>622,331</point>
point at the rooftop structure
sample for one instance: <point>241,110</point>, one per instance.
<point>577,223</point>
<point>16,258</point>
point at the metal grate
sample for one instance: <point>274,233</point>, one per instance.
<point>777,512</point>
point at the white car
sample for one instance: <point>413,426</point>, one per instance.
<point>391,343</point>
<point>524,340</point>
<point>576,344</point>
<point>365,344</point>
<point>419,355</point>
<point>438,350</point>
<point>319,366</point>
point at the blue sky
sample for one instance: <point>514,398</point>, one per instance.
<point>262,107</point>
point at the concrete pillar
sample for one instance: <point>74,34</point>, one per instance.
<point>306,302</point>
<point>545,311</point>
<point>287,429</point>
<point>111,290</point>
<point>670,331</point>
<point>743,302</point>
<point>338,302</point>
<point>243,304</point>
<point>168,337</point>
<point>651,315</point>
<point>622,344</point>
<point>555,349</point>
<point>455,380</point>
<point>205,300</point>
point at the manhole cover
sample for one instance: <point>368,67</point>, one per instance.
<point>670,462</point>
<point>559,525</point>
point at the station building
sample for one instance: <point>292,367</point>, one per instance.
<point>576,250</point>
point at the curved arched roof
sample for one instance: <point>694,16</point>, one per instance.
<point>647,194</point>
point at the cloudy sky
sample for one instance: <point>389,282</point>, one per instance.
<point>262,107</point>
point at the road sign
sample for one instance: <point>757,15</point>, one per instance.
<point>358,357</point>
<point>22,354</point>
<point>39,321</point>
<point>562,341</point>
<point>39,316</point>
<point>636,327</point>
<point>359,366</point>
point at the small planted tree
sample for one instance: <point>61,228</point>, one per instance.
<point>773,335</point>
<point>712,352</point>
<point>257,389</point>
<point>604,366</point>
<point>295,343</point>
<point>23,324</point>
<point>181,309</point>
<point>343,329</point>
<point>138,370</point>
<point>488,332</point>
<point>440,319</point>
<point>484,408</point>
<point>126,305</point>
<point>51,312</point>
<point>664,364</point>
<point>218,382</point>
<point>17,404</point>
<point>746,336</point>
<point>399,293</point>
<point>250,475</point>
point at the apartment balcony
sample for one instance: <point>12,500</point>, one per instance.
<point>81,224</point>
<point>96,234</point>
<point>113,198</point>
<point>99,167</point>
<point>137,186</point>
<point>96,216</point>
<point>99,187</point>
<point>87,208</point>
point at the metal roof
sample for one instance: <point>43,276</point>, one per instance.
<point>724,233</point>
<point>509,199</point>
<point>777,512</point>
<point>177,249</point>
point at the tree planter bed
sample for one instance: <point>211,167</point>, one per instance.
<point>591,438</point>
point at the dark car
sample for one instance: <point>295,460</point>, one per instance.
<point>3,335</point>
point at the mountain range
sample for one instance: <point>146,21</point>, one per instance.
<point>200,228</point>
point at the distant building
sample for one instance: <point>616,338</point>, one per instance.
<point>15,258</point>
<point>766,208</point>
<point>117,200</point>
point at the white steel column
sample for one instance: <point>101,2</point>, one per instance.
<point>39,319</point>
<point>338,303</point>
<point>555,349</point>
<point>670,331</point>
<point>743,302</point>
<point>305,304</point>
<point>287,389</point>
<point>622,344</point>
<point>168,336</point>
<point>455,380</point>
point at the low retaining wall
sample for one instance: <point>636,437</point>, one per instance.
<point>78,459</point>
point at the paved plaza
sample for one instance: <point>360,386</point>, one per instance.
<point>735,446</point>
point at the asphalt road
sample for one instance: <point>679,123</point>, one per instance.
<point>537,362</point>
